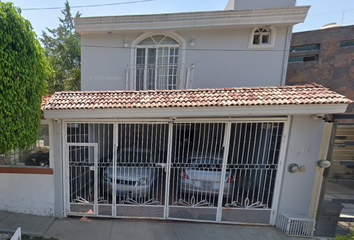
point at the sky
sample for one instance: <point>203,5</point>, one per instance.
<point>322,11</point>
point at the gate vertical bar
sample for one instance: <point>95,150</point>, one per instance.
<point>65,168</point>
<point>65,180</point>
<point>95,188</point>
<point>114,170</point>
<point>280,170</point>
<point>168,170</point>
<point>223,170</point>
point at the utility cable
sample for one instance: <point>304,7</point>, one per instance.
<point>87,6</point>
<point>212,50</point>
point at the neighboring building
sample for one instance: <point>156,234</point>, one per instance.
<point>134,144</point>
<point>326,57</point>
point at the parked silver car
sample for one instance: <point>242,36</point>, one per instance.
<point>203,176</point>
<point>134,173</point>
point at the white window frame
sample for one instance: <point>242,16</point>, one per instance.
<point>146,49</point>
<point>270,44</point>
<point>131,84</point>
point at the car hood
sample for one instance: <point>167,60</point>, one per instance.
<point>129,173</point>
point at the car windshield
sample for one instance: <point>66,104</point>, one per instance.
<point>133,156</point>
<point>205,162</point>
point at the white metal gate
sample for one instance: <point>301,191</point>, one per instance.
<point>253,160</point>
<point>196,169</point>
<point>89,149</point>
<point>82,178</point>
<point>202,171</point>
<point>140,170</point>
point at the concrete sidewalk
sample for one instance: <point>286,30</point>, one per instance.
<point>30,225</point>
<point>74,229</point>
<point>117,229</point>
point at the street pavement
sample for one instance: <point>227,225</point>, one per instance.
<point>134,229</point>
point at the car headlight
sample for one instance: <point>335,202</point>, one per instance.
<point>105,176</point>
<point>143,181</point>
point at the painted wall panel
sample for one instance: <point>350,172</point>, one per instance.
<point>27,193</point>
<point>303,149</point>
<point>222,59</point>
<point>103,62</point>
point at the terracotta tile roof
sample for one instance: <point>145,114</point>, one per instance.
<point>45,100</point>
<point>244,96</point>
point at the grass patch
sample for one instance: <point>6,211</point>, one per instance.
<point>349,236</point>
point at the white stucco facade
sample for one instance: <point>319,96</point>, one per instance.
<point>222,54</point>
<point>217,52</point>
<point>304,141</point>
<point>27,193</point>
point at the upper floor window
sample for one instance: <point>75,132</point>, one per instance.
<point>309,58</point>
<point>347,43</point>
<point>157,63</point>
<point>302,48</point>
<point>262,37</point>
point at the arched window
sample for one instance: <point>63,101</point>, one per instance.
<point>262,37</point>
<point>157,63</point>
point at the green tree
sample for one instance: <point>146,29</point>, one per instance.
<point>63,51</point>
<point>23,70</point>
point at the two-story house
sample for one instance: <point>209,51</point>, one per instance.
<point>185,116</point>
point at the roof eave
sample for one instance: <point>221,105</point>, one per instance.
<point>238,18</point>
<point>264,110</point>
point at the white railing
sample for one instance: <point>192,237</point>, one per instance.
<point>159,76</point>
<point>17,234</point>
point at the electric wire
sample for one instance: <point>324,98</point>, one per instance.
<point>192,49</point>
<point>142,1</point>
<point>339,11</point>
<point>87,6</point>
<point>212,50</point>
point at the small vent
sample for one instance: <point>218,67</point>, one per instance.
<point>296,225</point>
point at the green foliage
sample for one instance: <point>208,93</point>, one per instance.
<point>23,70</point>
<point>63,51</point>
<point>350,236</point>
